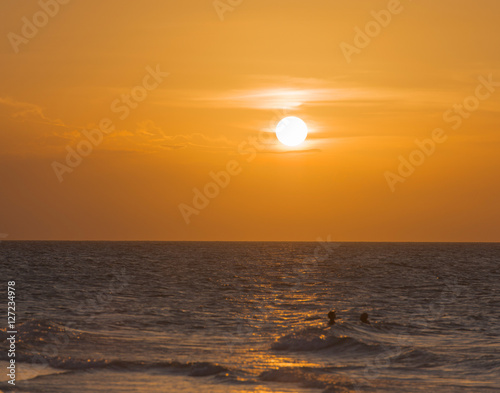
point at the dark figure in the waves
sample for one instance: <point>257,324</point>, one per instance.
<point>364,318</point>
<point>331,316</point>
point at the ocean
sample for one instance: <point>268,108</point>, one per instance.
<point>251,317</point>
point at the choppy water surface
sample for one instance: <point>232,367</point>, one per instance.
<point>251,317</point>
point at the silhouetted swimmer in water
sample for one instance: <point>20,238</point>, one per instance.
<point>331,316</point>
<point>364,318</point>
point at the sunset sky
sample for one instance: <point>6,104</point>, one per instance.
<point>233,73</point>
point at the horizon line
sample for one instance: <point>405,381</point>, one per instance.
<point>246,241</point>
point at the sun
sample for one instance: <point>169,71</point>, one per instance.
<point>291,131</point>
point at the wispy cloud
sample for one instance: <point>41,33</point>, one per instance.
<point>25,111</point>
<point>293,93</point>
<point>148,135</point>
<point>268,93</point>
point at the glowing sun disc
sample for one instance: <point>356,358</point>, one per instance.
<point>291,131</point>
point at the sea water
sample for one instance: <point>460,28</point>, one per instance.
<point>252,317</point>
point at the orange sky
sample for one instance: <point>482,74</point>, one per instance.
<point>233,73</point>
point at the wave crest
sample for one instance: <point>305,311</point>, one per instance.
<point>317,339</point>
<point>40,331</point>
<point>308,378</point>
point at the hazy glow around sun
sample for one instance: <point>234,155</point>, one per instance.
<point>291,131</point>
